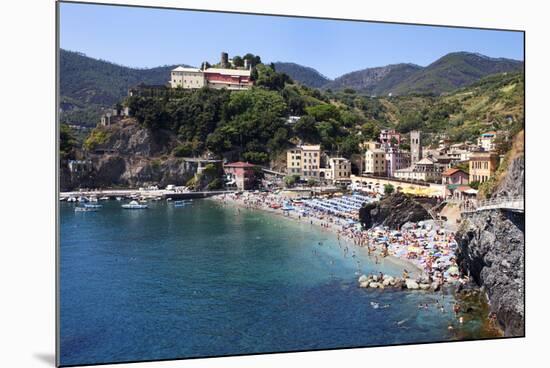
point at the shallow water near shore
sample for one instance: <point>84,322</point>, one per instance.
<point>208,280</point>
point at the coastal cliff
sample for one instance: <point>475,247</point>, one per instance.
<point>393,211</point>
<point>129,155</point>
<point>491,247</point>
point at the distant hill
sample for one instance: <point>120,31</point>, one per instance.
<point>376,81</point>
<point>302,74</point>
<point>454,71</point>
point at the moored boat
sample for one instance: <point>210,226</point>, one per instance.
<point>134,205</point>
<point>85,209</point>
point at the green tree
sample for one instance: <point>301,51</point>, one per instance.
<point>67,142</point>
<point>238,61</point>
<point>291,180</point>
<point>306,129</point>
<point>388,189</point>
<point>323,112</point>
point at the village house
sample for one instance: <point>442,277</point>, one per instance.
<point>241,174</point>
<point>338,170</point>
<point>454,176</point>
<point>425,170</point>
<point>482,166</point>
<point>304,160</point>
<point>396,159</point>
<point>375,159</point>
<point>487,141</point>
<point>387,136</point>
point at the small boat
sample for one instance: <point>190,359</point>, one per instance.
<point>104,198</point>
<point>119,198</point>
<point>134,205</point>
<point>85,209</point>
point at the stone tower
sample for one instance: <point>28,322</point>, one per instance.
<point>224,60</point>
<point>416,147</point>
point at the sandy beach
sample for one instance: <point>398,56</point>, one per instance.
<point>328,223</point>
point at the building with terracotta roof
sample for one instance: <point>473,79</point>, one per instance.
<point>241,174</point>
<point>224,77</point>
<point>454,176</point>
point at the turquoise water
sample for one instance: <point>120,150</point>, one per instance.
<point>208,280</point>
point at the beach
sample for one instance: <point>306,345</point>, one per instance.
<point>405,248</point>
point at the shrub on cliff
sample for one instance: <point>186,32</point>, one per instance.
<point>97,137</point>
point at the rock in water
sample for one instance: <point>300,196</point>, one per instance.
<point>393,211</point>
<point>363,278</point>
<point>411,284</point>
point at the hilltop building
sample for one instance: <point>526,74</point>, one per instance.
<point>223,77</point>
<point>114,115</point>
<point>482,166</point>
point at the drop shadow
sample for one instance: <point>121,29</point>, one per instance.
<point>45,358</point>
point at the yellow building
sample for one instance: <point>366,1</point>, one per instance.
<point>304,160</point>
<point>375,159</point>
<point>482,166</point>
<point>338,170</point>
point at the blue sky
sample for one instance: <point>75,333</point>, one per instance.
<point>143,37</point>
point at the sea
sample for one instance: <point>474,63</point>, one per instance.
<point>212,280</point>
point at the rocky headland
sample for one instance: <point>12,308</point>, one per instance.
<point>491,249</point>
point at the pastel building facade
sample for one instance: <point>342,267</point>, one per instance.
<point>242,174</point>
<point>375,159</point>
<point>482,166</point>
<point>304,160</point>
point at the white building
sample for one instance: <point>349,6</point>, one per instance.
<point>487,141</point>
<point>188,78</point>
<point>192,78</point>
<point>424,170</point>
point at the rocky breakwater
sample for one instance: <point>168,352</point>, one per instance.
<point>392,211</point>
<point>387,281</point>
<point>491,251</point>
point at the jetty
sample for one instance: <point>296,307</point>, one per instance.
<point>132,193</point>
